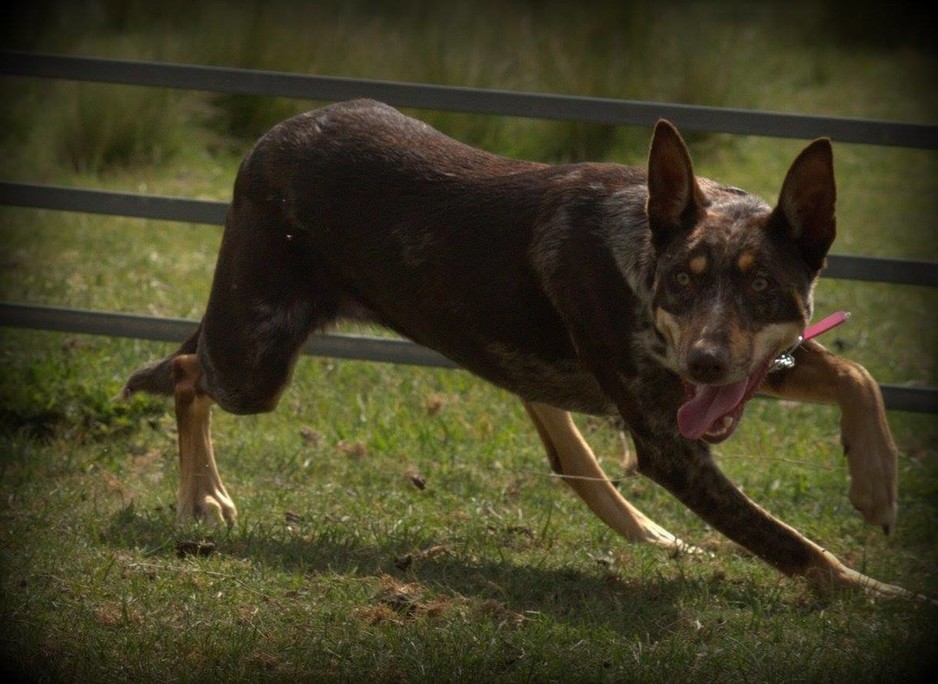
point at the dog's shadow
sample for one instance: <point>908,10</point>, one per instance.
<point>571,595</point>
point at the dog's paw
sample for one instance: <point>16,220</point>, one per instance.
<point>872,458</point>
<point>827,574</point>
<point>214,508</point>
<point>653,533</point>
<point>872,455</point>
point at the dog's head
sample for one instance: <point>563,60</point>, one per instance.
<point>734,277</point>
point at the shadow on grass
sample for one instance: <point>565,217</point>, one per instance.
<point>644,608</point>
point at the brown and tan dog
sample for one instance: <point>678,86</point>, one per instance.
<point>651,294</point>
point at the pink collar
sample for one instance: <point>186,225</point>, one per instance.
<point>786,359</point>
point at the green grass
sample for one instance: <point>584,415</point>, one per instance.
<point>341,567</point>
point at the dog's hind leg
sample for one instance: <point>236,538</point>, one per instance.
<point>201,494</point>
<point>872,455</point>
<point>573,460</point>
<point>268,294</point>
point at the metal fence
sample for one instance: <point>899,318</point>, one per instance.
<point>473,100</point>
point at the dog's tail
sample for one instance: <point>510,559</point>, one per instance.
<point>157,376</point>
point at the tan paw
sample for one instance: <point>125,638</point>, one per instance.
<point>872,459</point>
<point>214,508</point>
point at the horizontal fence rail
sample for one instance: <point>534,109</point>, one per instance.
<point>134,326</point>
<point>420,96</point>
<point>113,203</point>
<point>342,346</point>
<point>469,100</point>
<point>896,271</point>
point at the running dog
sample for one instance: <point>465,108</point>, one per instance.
<point>643,293</point>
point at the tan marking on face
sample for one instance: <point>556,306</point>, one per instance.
<point>739,350</point>
<point>698,264</point>
<point>747,352</point>
<point>746,261</point>
<point>723,326</point>
<point>773,339</point>
<point>669,327</point>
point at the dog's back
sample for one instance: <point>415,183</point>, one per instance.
<point>439,241</point>
<point>590,287</point>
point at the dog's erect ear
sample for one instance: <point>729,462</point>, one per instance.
<point>675,201</point>
<point>805,211</point>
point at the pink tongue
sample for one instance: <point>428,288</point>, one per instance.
<point>696,417</point>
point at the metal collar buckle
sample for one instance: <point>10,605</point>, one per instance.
<point>786,360</point>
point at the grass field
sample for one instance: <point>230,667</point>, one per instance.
<point>398,523</point>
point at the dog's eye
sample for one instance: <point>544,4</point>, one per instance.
<point>760,283</point>
<point>682,278</point>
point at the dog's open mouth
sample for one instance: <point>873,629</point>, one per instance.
<point>712,412</point>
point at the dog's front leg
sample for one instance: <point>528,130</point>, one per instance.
<point>872,456</point>
<point>572,459</point>
<point>202,495</point>
<point>688,471</point>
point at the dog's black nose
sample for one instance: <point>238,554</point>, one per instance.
<point>707,363</point>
